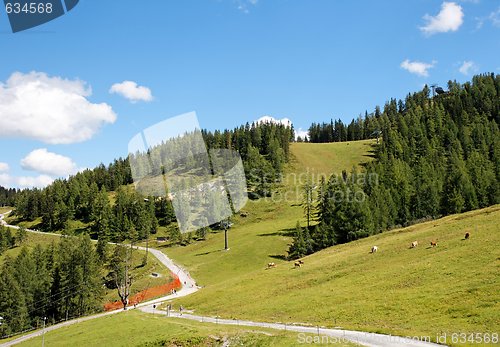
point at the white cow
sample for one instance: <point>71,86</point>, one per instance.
<point>374,249</point>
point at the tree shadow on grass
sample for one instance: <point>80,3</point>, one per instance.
<point>209,252</point>
<point>283,232</point>
<point>278,256</point>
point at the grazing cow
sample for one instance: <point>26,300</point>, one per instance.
<point>301,262</point>
<point>434,243</point>
<point>297,264</point>
<point>374,249</point>
<point>467,235</point>
<point>414,244</point>
<point>270,265</point>
<point>244,214</point>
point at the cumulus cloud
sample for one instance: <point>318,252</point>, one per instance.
<point>417,67</point>
<point>467,67</point>
<point>45,162</point>
<point>302,133</point>
<point>40,181</point>
<point>450,18</point>
<point>50,109</point>
<point>5,180</point>
<point>132,91</point>
<point>284,121</point>
<point>4,167</point>
<point>269,119</point>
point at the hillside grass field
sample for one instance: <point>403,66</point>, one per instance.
<point>154,330</point>
<point>451,288</point>
<point>401,291</point>
<point>264,235</point>
<point>328,158</point>
<point>398,290</point>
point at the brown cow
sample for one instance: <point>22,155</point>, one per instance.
<point>297,264</point>
<point>434,243</point>
<point>467,235</point>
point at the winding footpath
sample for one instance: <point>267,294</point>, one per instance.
<point>189,286</point>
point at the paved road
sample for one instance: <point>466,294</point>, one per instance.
<point>2,215</point>
<point>189,287</point>
<point>362,338</point>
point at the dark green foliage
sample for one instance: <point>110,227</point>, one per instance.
<point>264,148</point>
<point>298,248</point>
<point>437,156</point>
<point>7,241</point>
<point>7,196</point>
<point>21,236</point>
<point>59,282</point>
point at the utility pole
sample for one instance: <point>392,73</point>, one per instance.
<point>43,332</point>
<point>225,235</point>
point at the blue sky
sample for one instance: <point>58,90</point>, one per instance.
<point>231,61</point>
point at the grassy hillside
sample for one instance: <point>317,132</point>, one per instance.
<point>31,241</point>
<point>263,236</point>
<point>450,288</point>
<point>418,292</point>
<point>328,158</point>
<point>144,329</point>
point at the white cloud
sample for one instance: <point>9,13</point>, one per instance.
<point>284,121</point>
<point>5,180</point>
<point>45,162</point>
<point>467,67</point>
<point>450,18</point>
<point>302,133</point>
<point>494,17</point>
<point>244,5</point>
<point>50,109</point>
<point>417,67</point>
<point>131,91</point>
<point>4,167</point>
<point>40,181</point>
<point>269,119</point>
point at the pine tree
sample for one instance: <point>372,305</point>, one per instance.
<point>13,308</point>
<point>298,248</point>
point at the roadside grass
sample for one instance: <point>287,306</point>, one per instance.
<point>143,329</point>
<point>15,220</point>
<point>142,278</point>
<point>5,209</point>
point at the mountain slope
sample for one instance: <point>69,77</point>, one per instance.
<point>397,290</point>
